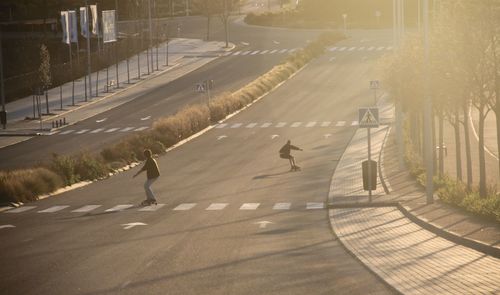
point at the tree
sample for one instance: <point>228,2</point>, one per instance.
<point>44,75</point>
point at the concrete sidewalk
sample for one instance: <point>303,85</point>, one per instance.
<point>414,247</point>
<point>185,55</point>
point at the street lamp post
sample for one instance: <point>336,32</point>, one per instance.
<point>428,143</point>
<point>344,16</point>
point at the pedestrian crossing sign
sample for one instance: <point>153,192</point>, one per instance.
<point>200,87</point>
<point>368,117</point>
<point>374,84</point>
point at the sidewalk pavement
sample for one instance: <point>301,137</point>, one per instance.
<point>414,247</point>
<point>185,55</point>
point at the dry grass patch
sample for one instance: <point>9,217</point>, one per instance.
<point>27,184</point>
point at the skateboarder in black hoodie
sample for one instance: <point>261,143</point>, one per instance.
<point>285,154</point>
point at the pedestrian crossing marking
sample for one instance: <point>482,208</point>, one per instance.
<point>97,130</point>
<point>255,52</point>
<point>283,50</point>
<point>314,205</point>
<point>354,123</point>
<point>281,125</point>
<point>371,48</point>
<point>325,124</point>
<point>86,208</point>
<point>54,132</point>
<point>119,208</point>
<point>111,130</point>
<point>352,48</point>
<point>296,124</point>
<point>141,128</point>
<point>217,206</point>
<point>246,52</point>
<point>340,124</point>
<point>264,52</point>
<point>237,125</point>
<point>273,51</point>
<point>219,126</point>
<point>251,125</point>
<point>310,124</point>
<point>237,53</point>
<point>54,209</point>
<point>185,207</point>
<point>83,131</point>
<point>266,125</point>
<point>282,206</point>
<point>152,208</point>
<point>126,129</point>
<point>361,48</point>
<point>21,209</point>
<point>249,206</point>
<point>66,132</point>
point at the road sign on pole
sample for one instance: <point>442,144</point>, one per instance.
<point>200,87</point>
<point>368,118</point>
<point>375,84</point>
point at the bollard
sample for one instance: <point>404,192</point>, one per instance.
<point>57,123</point>
<point>64,120</point>
<point>53,124</point>
<point>60,122</point>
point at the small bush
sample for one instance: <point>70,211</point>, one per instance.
<point>27,184</point>
<point>64,166</point>
<point>88,167</point>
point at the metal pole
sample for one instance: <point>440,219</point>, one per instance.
<point>72,75</point>
<point>128,70</point>
<point>187,7</point>
<point>116,62</point>
<point>89,70</point>
<point>369,165</point>
<point>2,89</point>
<point>150,34</point>
<point>60,95</point>
<point>428,144</point>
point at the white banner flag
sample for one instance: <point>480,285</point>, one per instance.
<point>73,27</point>
<point>108,26</point>
<point>83,21</point>
<point>65,27</point>
<point>95,20</point>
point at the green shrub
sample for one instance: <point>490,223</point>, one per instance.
<point>88,167</point>
<point>64,166</point>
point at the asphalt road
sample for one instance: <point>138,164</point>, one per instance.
<point>268,249</point>
<point>229,73</point>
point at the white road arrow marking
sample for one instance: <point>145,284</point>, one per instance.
<point>263,224</point>
<point>131,225</point>
<point>327,135</point>
<point>221,137</point>
<point>274,136</point>
<point>101,120</point>
<point>7,226</point>
<point>245,43</point>
<point>146,118</point>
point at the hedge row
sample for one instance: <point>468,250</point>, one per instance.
<point>27,184</point>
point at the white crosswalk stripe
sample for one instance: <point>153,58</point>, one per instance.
<point>54,132</point>
<point>251,125</point>
<point>293,50</point>
<point>219,126</point>
<point>273,51</point>
<point>313,205</point>
<point>340,123</point>
<point>255,52</point>
<point>281,125</point>
<point>237,125</point>
<point>21,209</point>
<point>311,124</point>
<point>53,209</point>
<point>126,129</point>
<point>265,125</point>
<point>111,130</point>
<point>249,206</point>
<point>325,124</point>
<point>185,207</point>
<point>354,123</point>
<point>352,48</point>
<point>86,208</point>
<point>237,53</point>
<point>342,48</point>
<point>83,131</point>
<point>119,208</point>
<point>283,50</point>
<point>333,49</point>
<point>380,48</point>
<point>264,51</point>
<point>227,53</point>
<point>282,206</point>
<point>67,132</point>
<point>152,208</point>
<point>217,206</point>
<point>371,48</point>
<point>141,128</point>
<point>361,48</point>
<point>296,124</point>
<point>245,53</point>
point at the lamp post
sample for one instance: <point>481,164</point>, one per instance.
<point>427,112</point>
<point>344,16</point>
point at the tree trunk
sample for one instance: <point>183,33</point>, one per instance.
<point>441,146</point>
<point>482,163</point>
<point>433,144</point>
<point>458,146</point>
<point>468,155</point>
<point>47,100</point>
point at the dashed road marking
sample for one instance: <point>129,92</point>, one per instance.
<point>21,209</point>
<point>313,205</point>
<point>119,208</point>
<point>273,51</point>
<point>237,125</point>
<point>251,125</point>
<point>185,207</point>
<point>126,129</point>
<point>219,126</point>
<point>282,206</point>
<point>141,128</point>
<point>265,125</point>
<point>280,125</point>
<point>86,208</point>
<point>249,206</point>
<point>152,208</point>
<point>264,52</point>
<point>97,130</point>
<point>311,124</point>
<point>217,206</point>
<point>54,209</point>
<point>66,132</point>
<point>83,131</point>
<point>296,124</point>
<point>354,123</point>
<point>325,124</point>
<point>111,130</point>
<point>340,124</point>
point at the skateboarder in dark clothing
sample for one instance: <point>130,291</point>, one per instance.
<point>285,154</point>
<point>152,171</point>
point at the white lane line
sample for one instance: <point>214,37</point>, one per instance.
<point>219,126</point>
<point>340,124</point>
<point>7,226</point>
<point>83,131</point>
<point>251,125</point>
<point>97,130</point>
<point>280,125</point>
<point>354,123</point>
<point>264,52</point>
<point>185,207</point>
<point>54,209</point>
<point>20,209</point>
<point>67,132</point>
<point>146,118</point>
<point>152,208</point>
<point>119,208</point>
<point>141,128</point>
<point>111,130</point>
<point>86,208</point>
<point>217,206</point>
<point>296,124</point>
<point>237,125</point>
<point>273,51</point>
<point>237,53</point>
<point>313,205</point>
<point>311,124</point>
<point>126,129</point>
<point>266,125</point>
<point>255,52</point>
<point>249,206</point>
<point>325,124</point>
<point>283,50</point>
<point>282,206</point>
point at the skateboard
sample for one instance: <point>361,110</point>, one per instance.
<point>295,168</point>
<point>148,202</point>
